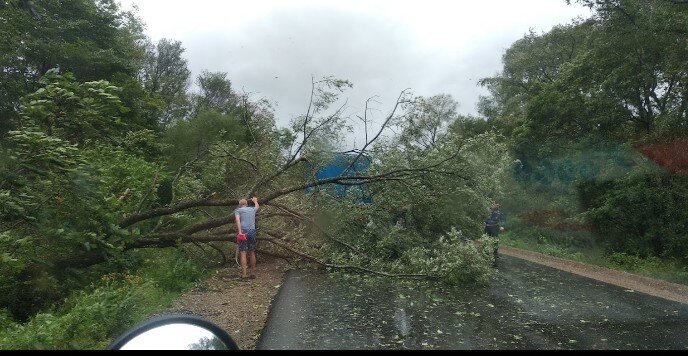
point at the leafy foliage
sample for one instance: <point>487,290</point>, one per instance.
<point>74,111</point>
<point>63,183</point>
<point>92,39</point>
<point>581,103</point>
<point>620,211</point>
<point>425,224</point>
<point>92,317</point>
<point>165,75</point>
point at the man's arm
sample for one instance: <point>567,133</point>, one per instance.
<point>255,203</point>
<point>238,222</point>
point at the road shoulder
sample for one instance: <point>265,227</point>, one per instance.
<point>238,306</point>
<point>642,284</point>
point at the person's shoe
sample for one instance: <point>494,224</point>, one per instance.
<point>253,276</point>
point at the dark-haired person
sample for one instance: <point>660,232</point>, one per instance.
<point>494,224</point>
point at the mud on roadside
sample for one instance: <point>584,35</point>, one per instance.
<point>238,306</point>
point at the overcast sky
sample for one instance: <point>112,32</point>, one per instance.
<point>273,48</point>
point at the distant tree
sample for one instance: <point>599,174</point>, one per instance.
<point>93,39</point>
<point>165,74</point>
<point>469,126</point>
<point>188,139</point>
<point>533,66</point>
<point>215,93</point>
<point>426,120</point>
<point>620,75</point>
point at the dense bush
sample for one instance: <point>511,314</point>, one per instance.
<point>642,214</point>
<point>91,318</point>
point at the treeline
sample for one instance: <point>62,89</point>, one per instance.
<point>106,151</point>
<point>596,111</point>
<point>97,123</point>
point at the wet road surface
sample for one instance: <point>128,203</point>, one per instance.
<point>526,306</point>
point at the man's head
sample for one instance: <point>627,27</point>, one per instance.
<point>495,205</point>
<point>243,203</point>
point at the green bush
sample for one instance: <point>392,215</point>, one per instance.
<point>642,214</point>
<point>175,272</point>
<point>89,319</point>
<point>92,317</point>
<point>624,261</point>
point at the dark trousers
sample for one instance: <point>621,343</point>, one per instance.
<point>493,231</point>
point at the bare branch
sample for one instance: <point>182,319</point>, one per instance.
<point>172,239</point>
<point>279,172</point>
<point>360,180</point>
<point>208,224</point>
<point>317,226</point>
<point>305,122</point>
<point>365,116</point>
<point>253,166</point>
<point>379,132</point>
<point>293,160</point>
<point>124,195</point>
<point>222,253</point>
<point>355,180</point>
<point>198,245</point>
<point>128,221</point>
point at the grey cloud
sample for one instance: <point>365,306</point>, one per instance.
<point>275,56</point>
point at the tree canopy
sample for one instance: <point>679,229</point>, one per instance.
<point>107,149</point>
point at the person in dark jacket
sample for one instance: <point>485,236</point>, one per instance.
<point>494,224</point>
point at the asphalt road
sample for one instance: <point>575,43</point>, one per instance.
<point>527,306</point>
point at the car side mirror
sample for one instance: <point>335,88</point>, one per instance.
<point>175,332</point>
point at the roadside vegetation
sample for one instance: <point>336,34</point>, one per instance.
<point>106,301</point>
<point>598,127</point>
<point>117,180</point>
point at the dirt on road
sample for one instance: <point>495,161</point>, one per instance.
<point>241,307</point>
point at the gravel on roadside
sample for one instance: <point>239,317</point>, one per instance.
<point>238,306</point>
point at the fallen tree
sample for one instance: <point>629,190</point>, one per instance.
<point>72,202</point>
<point>281,175</point>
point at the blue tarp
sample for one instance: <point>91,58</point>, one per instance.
<point>339,162</point>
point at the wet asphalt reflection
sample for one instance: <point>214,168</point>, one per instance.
<point>526,306</point>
